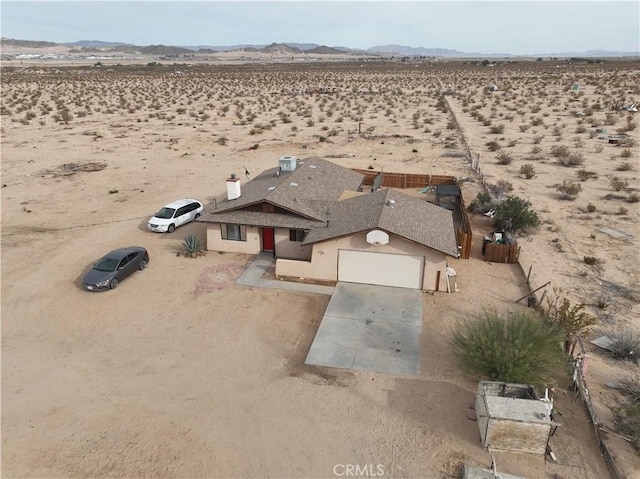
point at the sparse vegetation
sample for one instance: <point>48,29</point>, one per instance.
<point>528,171</point>
<point>517,348</point>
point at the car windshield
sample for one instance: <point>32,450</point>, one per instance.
<point>106,264</point>
<point>165,213</point>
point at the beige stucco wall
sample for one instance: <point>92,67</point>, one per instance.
<point>285,248</point>
<point>253,245</point>
<point>324,259</point>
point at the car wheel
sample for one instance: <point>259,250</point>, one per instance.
<point>114,283</point>
<point>171,228</point>
<point>197,215</point>
<point>143,264</point>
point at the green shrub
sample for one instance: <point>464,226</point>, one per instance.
<point>516,215</point>
<point>569,318</point>
<point>515,349</point>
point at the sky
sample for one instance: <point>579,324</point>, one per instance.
<point>514,27</point>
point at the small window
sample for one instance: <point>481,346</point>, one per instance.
<point>233,232</point>
<point>297,235</point>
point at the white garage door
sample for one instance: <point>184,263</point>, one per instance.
<point>380,268</point>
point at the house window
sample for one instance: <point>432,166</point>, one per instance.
<point>233,232</point>
<point>297,235</point>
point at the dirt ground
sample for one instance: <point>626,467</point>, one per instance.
<point>181,373</point>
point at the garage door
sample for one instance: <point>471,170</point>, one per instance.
<point>380,268</point>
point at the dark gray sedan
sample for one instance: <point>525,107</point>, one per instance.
<point>114,267</point>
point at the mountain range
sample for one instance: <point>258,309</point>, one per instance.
<point>87,46</point>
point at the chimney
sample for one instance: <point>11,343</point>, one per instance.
<point>233,187</point>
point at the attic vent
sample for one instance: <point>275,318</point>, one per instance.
<point>293,184</point>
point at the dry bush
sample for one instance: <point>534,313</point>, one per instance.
<point>619,184</point>
<point>504,158</point>
<point>528,171</point>
<point>584,175</point>
<point>569,189</point>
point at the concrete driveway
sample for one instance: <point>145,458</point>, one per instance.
<point>370,328</point>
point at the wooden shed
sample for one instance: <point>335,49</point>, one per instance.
<point>512,418</point>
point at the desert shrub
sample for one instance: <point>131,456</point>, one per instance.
<point>626,166</point>
<point>591,260</point>
<point>626,421</point>
<point>569,318</point>
<point>482,203</point>
<point>535,150</point>
<point>528,171</point>
<point>569,189</point>
<point>192,246</point>
<point>618,184</point>
<point>591,208</point>
<point>574,159</point>
<point>598,148</point>
<point>629,386</point>
<point>222,141</point>
<point>626,153</point>
<point>518,348</point>
<point>503,186</point>
<point>516,215</point>
<point>504,158</point>
<point>584,175</point>
<point>622,211</point>
<point>633,198</point>
<point>560,151</point>
<point>496,129</point>
<point>625,344</point>
<point>493,146</point>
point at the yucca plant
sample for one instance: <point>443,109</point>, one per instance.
<point>192,246</point>
<point>518,348</point>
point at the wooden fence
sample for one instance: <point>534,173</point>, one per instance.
<point>580,383</point>
<point>501,253</point>
<point>464,235</point>
<point>406,180</point>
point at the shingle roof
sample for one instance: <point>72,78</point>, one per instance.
<point>305,191</point>
<point>411,218</point>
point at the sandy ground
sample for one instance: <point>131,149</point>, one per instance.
<point>181,373</point>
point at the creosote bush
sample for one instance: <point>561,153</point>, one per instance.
<point>528,171</point>
<point>569,189</point>
<point>517,348</point>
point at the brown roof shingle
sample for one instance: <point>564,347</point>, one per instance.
<point>306,191</point>
<point>394,212</point>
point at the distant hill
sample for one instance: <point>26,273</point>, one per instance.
<point>287,48</point>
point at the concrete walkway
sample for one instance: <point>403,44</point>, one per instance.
<point>252,276</point>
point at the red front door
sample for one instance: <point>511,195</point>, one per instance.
<point>268,239</point>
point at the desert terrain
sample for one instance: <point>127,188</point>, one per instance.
<point>180,372</point>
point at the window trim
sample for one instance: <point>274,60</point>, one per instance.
<point>297,235</point>
<point>224,232</point>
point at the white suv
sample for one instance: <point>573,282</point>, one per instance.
<point>175,214</point>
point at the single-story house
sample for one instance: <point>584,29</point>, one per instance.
<point>315,219</point>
